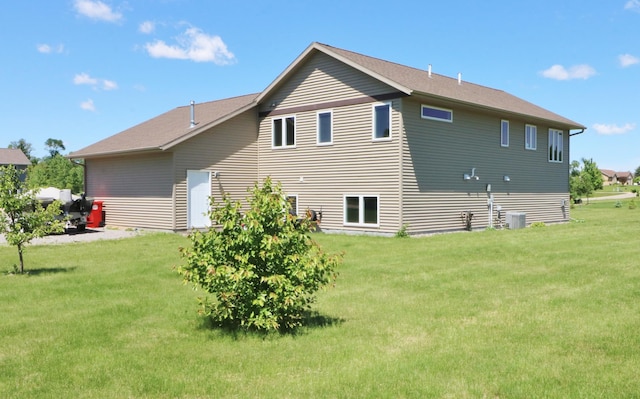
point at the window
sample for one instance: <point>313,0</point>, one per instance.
<point>293,202</point>
<point>361,210</point>
<point>504,133</point>
<point>284,132</point>
<point>555,145</point>
<point>435,113</point>
<point>382,121</point>
<point>325,127</point>
<point>530,137</point>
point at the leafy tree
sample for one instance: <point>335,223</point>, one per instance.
<point>262,266</point>
<point>56,171</point>
<point>22,217</point>
<point>584,179</point>
<point>25,147</point>
<point>54,147</point>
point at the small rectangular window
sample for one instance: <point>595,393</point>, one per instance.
<point>284,132</point>
<point>293,203</point>
<point>435,113</point>
<point>530,137</point>
<point>362,210</point>
<point>382,121</point>
<point>556,145</point>
<point>504,133</point>
<point>325,127</point>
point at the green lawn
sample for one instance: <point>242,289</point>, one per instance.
<point>549,312</point>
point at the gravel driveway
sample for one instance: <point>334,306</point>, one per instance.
<point>101,233</point>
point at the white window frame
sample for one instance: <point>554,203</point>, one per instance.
<point>530,137</point>
<point>374,124</point>
<point>556,146</point>
<point>330,112</point>
<point>433,118</point>
<point>283,118</point>
<point>504,133</point>
<point>361,222</point>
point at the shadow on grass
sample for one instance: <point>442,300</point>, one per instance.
<point>39,272</point>
<point>310,321</point>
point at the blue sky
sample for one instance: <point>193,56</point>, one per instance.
<point>82,70</point>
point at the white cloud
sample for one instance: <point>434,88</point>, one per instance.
<point>193,45</point>
<point>109,85</point>
<point>628,60</point>
<point>88,105</point>
<point>604,129</point>
<point>47,49</point>
<point>147,27</point>
<point>85,79</point>
<point>633,5</point>
<point>95,9</point>
<point>559,72</point>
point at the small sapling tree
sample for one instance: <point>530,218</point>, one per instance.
<point>261,265</point>
<point>22,217</point>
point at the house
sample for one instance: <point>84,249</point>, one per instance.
<point>610,177</point>
<point>14,156</point>
<point>373,145</point>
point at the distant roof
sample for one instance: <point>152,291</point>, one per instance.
<point>170,128</point>
<point>13,156</point>
<point>608,172</point>
<point>413,81</point>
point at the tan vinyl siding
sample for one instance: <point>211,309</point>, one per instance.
<point>229,149</point>
<point>136,190</point>
<point>437,154</point>
<point>353,165</point>
<point>324,79</point>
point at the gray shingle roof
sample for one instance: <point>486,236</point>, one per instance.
<point>13,156</point>
<point>168,129</point>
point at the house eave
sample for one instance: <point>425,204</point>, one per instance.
<point>569,125</point>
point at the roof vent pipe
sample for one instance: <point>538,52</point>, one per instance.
<point>459,78</point>
<point>193,114</point>
<point>429,70</point>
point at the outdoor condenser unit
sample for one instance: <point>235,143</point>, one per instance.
<point>516,220</point>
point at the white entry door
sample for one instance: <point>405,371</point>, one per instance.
<point>198,192</point>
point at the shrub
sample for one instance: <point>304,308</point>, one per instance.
<point>632,204</point>
<point>618,204</point>
<point>538,225</point>
<point>262,266</point>
<point>402,233</point>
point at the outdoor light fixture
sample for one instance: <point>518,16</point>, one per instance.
<point>506,178</point>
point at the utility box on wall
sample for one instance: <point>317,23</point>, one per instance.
<point>516,220</point>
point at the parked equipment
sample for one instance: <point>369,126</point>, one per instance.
<point>74,209</point>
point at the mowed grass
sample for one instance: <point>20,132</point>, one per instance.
<point>551,312</point>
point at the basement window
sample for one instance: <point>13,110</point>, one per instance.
<point>436,113</point>
<point>361,210</point>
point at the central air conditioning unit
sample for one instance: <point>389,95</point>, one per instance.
<point>516,220</point>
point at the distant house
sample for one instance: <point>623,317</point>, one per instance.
<point>610,177</point>
<point>14,156</point>
<point>372,144</point>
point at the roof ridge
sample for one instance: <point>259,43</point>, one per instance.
<point>221,99</point>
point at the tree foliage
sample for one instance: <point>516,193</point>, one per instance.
<point>25,147</point>
<point>262,266</point>
<point>584,178</point>
<point>54,146</point>
<point>56,171</point>
<point>22,217</point>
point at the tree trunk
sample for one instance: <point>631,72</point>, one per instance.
<point>21,260</point>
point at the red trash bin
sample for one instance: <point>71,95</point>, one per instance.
<point>97,216</point>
